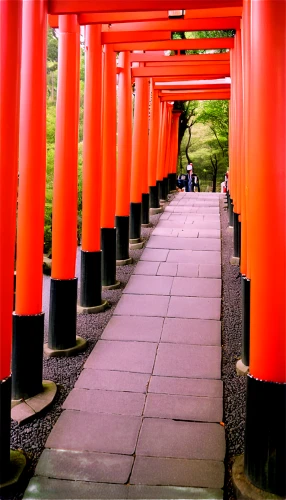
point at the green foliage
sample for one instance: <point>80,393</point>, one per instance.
<point>208,149</point>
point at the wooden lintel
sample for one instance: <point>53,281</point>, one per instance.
<point>189,44</point>
<point>216,23</point>
<point>82,6</point>
<point>182,71</point>
<point>134,37</point>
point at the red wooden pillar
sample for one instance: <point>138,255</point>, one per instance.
<point>28,318</point>
<point>161,149</point>
<point>245,234</point>
<point>63,294</point>
<point>139,156</point>
<point>124,141</point>
<point>91,280</point>
<point>145,101</point>
<point>108,202</point>
<point>168,149</point>
<point>153,152</point>
<point>265,444</point>
<point>10,63</point>
<point>237,145</point>
<point>174,149</point>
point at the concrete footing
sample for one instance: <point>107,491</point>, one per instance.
<point>93,310</point>
<point>136,246</point>
<point>234,261</point>
<point>241,368</point>
<point>155,211</point>
<point>111,287</point>
<point>17,465</point>
<point>125,262</point>
<point>25,409</point>
<point>244,489</point>
<point>71,351</point>
<point>146,225</point>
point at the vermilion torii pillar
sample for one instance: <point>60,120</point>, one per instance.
<point>124,146</point>
<point>265,443</point>
<point>174,149</point>
<point>153,153</point>
<point>10,64</point>
<point>28,318</point>
<point>161,156</point>
<point>62,338</point>
<point>108,201</point>
<point>139,158</point>
<point>91,279</point>
<point>144,145</point>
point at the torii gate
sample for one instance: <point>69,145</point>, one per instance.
<point>253,60</point>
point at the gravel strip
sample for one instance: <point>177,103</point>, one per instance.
<point>234,385</point>
<point>31,437</point>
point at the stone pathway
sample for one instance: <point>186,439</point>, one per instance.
<point>143,420</point>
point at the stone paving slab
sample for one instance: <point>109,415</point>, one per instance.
<point>138,328</point>
<point>193,257</point>
<point>149,285</point>
<point>195,226</point>
<point>179,472</point>
<point>196,287</point>
<point>209,233</point>
<point>174,243</point>
<point>194,307</point>
<point>58,489</point>
<point>206,224</point>
<point>142,305</point>
<point>209,271</point>
<point>178,407</point>
<point>194,361</point>
<point>85,466</point>
<point>188,270</point>
<point>122,356</point>
<point>147,268</point>
<point>166,269</point>
<point>111,402</point>
<point>154,255</point>
<point>186,386</point>
<point>173,439</point>
<point>85,431</point>
<point>138,492</point>
<point>191,331</point>
<point>108,380</point>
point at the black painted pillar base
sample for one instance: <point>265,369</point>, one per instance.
<point>230,213</point>
<point>145,210</point>
<point>172,182</point>
<point>135,222</point>
<point>235,235</point>
<point>27,355</point>
<point>63,312</point>
<point>122,238</point>
<point>165,188</point>
<point>108,247</point>
<point>161,190</point>
<point>245,299</point>
<point>154,201</point>
<point>239,239</point>
<point>265,435</point>
<point>5,421</point>
<point>91,280</point>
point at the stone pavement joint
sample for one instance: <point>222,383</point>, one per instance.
<point>144,418</point>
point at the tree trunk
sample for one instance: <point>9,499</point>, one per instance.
<point>188,144</point>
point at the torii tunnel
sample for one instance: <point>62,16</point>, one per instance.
<point>129,165</point>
